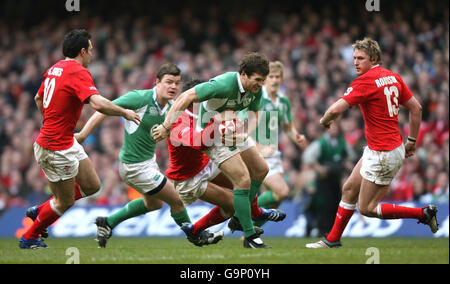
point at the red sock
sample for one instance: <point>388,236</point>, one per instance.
<point>392,211</point>
<point>256,211</point>
<point>214,217</point>
<point>343,215</point>
<point>47,216</point>
<point>78,195</point>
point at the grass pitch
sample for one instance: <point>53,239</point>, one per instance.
<point>228,251</point>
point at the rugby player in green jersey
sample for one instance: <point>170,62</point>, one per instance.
<point>242,164</point>
<point>275,115</point>
<point>138,167</point>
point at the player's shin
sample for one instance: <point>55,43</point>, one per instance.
<point>392,211</point>
<point>343,215</point>
<point>242,211</point>
<point>214,217</point>
<point>254,189</point>
<point>131,209</point>
<point>47,216</point>
<point>181,217</point>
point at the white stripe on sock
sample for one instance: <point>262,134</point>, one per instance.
<point>52,205</point>
<point>347,206</point>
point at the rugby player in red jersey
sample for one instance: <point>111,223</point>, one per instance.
<point>379,93</point>
<point>67,86</point>
<point>196,177</point>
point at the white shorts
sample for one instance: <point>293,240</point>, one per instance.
<point>219,154</point>
<point>145,177</point>
<point>380,167</point>
<point>190,190</point>
<point>275,165</point>
<point>60,165</point>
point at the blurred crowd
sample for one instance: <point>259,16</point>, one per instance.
<point>312,40</point>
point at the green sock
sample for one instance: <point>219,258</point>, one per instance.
<point>181,217</point>
<point>266,200</point>
<point>242,210</point>
<point>254,189</point>
<point>132,209</point>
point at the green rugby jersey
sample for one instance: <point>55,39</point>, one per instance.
<point>224,92</point>
<point>272,116</point>
<point>138,143</point>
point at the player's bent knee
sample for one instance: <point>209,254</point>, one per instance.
<point>242,184</point>
<point>367,211</point>
<point>261,172</point>
<point>63,206</point>
<point>91,188</point>
<point>283,195</point>
<point>241,181</point>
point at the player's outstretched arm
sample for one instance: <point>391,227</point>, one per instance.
<point>107,107</point>
<point>333,112</point>
<point>296,137</point>
<point>180,105</point>
<point>90,126</point>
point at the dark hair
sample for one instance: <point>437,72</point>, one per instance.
<point>254,63</point>
<point>191,83</point>
<point>168,69</point>
<point>74,42</point>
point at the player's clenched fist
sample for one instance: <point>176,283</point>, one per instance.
<point>131,115</point>
<point>160,133</point>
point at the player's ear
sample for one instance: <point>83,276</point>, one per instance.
<point>374,60</point>
<point>82,52</point>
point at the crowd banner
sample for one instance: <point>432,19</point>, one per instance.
<point>79,222</point>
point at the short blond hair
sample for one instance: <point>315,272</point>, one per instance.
<point>371,47</point>
<point>276,66</point>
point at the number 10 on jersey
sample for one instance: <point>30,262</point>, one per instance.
<point>49,88</point>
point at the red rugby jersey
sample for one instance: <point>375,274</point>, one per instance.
<point>379,93</point>
<point>185,146</point>
<point>65,88</point>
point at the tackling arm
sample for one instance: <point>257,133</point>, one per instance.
<point>180,105</point>
<point>107,107</point>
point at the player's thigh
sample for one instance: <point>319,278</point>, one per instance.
<point>87,177</point>
<point>351,188</point>
<point>277,184</point>
<point>145,177</point>
<point>236,171</point>
<point>255,163</point>
<point>219,196</point>
<point>370,196</point>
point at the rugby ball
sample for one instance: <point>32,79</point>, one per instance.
<point>227,127</point>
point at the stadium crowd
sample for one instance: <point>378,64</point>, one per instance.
<point>314,43</point>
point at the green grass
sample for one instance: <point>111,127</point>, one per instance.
<point>229,251</point>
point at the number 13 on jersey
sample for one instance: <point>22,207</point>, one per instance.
<point>392,100</point>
